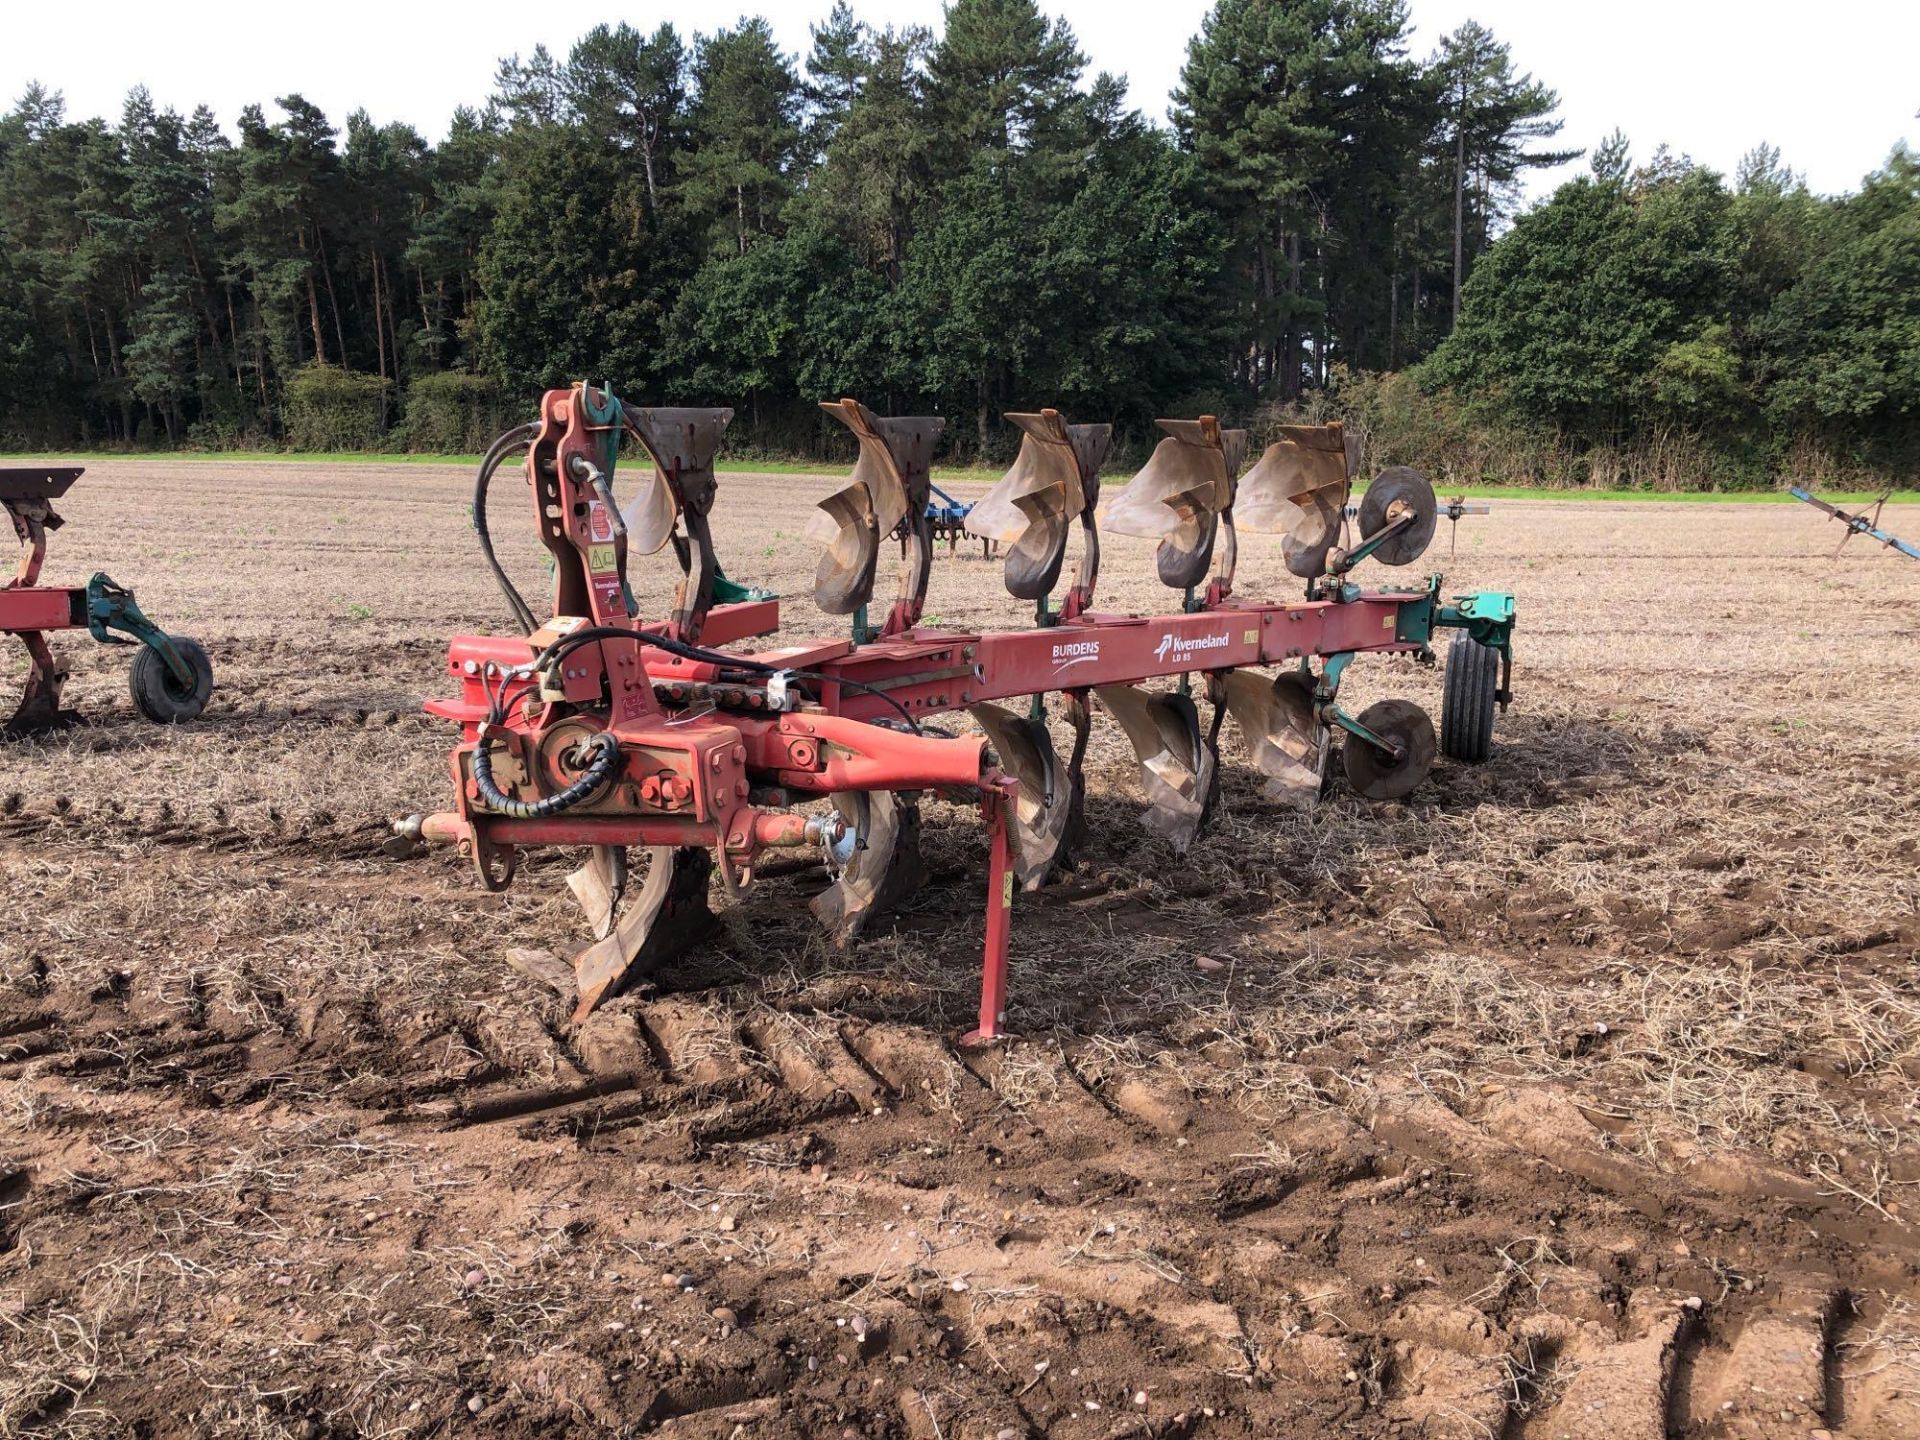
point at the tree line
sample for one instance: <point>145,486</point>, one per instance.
<point>959,222</point>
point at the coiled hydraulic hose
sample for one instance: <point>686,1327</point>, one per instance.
<point>599,770</point>
<point>517,438</point>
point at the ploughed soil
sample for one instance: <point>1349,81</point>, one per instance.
<point>1571,1099</point>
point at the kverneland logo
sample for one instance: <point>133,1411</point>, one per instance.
<point>1181,648</point>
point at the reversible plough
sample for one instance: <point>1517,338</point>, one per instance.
<point>171,677</point>
<point>602,729</point>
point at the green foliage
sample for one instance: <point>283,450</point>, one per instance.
<point>1759,328</point>
<point>1844,340</point>
<point>961,221</point>
<point>735,328</point>
<point>565,273</point>
<point>26,360</point>
<point>453,412</point>
<point>1699,379</point>
<point>746,127</point>
<point>1570,318</point>
<point>1490,116</point>
<point>1001,78</point>
<point>329,409</point>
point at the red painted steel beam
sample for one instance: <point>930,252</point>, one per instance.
<point>930,671</point>
<point>727,624</point>
<point>764,829</point>
<point>42,607</point>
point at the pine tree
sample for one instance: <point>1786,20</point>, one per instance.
<point>1257,106</point>
<point>746,128</point>
<point>1000,78</point>
<point>383,175</point>
<point>173,335</point>
<point>837,67</point>
<point>533,92</point>
<point>1489,117</point>
<point>463,182</point>
<point>874,177</point>
<point>630,90</point>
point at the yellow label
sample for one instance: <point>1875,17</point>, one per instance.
<point>600,558</point>
<point>1006,892</point>
<point>1250,637</point>
<point>1386,622</point>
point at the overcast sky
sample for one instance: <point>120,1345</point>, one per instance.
<point>1833,84</point>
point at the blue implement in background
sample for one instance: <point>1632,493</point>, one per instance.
<point>1864,524</point>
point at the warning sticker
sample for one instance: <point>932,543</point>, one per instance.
<point>600,558</point>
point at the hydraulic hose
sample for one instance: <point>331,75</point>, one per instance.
<point>599,770</point>
<point>577,638</point>
<point>517,438</point>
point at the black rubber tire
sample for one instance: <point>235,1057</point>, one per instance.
<point>1467,708</point>
<point>160,697</point>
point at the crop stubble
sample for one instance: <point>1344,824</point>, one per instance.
<point>1572,1098</point>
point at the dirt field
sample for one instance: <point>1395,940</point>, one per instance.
<point>1573,1099</point>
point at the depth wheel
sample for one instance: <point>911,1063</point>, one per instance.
<point>1373,773</point>
<point>1467,711</point>
<point>162,698</point>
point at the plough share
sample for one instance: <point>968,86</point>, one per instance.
<point>603,729</point>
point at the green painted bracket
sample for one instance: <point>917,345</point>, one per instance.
<point>1487,617</point>
<point>611,414</point>
<point>112,607</point>
<point>1330,673</point>
<point>1328,687</point>
<point>731,592</point>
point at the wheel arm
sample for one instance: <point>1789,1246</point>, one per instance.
<point>1392,750</point>
<point>112,607</point>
